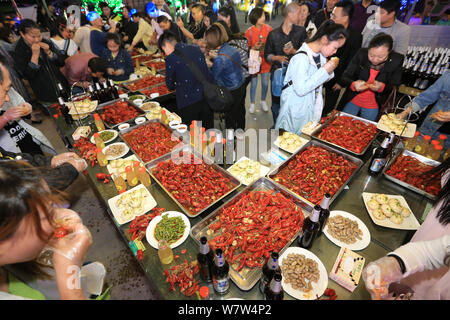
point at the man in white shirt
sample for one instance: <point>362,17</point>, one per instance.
<point>386,22</point>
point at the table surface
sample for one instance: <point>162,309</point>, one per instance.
<point>383,240</point>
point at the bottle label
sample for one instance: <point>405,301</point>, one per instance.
<point>377,165</point>
<point>221,285</point>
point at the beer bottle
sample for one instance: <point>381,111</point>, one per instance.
<point>93,93</point>
<point>65,111</point>
<point>310,228</point>
<point>324,212</point>
<point>99,93</point>
<point>269,270</point>
<point>205,259</point>
<point>275,291</point>
<point>114,91</point>
<point>221,278</point>
<point>379,158</point>
<point>62,92</point>
<point>106,92</point>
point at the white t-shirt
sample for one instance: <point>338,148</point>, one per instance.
<point>71,50</point>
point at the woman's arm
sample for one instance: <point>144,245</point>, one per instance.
<point>302,82</point>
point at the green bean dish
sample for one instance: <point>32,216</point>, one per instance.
<point>170,229</point>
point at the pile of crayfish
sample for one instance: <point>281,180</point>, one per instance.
<point>87,150</point>
<point>183,275</point>
<point>410,170</point>
<point>257,224</point>
<point>349,133</point>
<point>139,225</point>
<point>314,172</point>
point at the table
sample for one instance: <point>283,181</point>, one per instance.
<point>383,240</point>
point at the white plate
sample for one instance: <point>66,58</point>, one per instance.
<point>113,171</point>
<point>124,152</point>
<point>359,244</point>
<point>303,141</point>
<point>150,203</point>
<point>73,110</point>
<point>263,171</point>
<point>149,233</point>
<point>409,131</point>
<point>318,288</point>
<point>115,136</point>
<point>409,223</point>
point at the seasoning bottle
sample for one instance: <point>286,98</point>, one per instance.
<point>309,229</point>
<point>410,143</point>
<point>205,259</point>
<point>211,147</point>
<point>192,138</point>
<point>221,278</point>
<point>164,118</point>
<point>275,291</point>
<point>98,122</point>
<point>165,253</point>
<point>119,182</point>
<point>203,140</point>
<point>269,270</point>
<point>324,212</point>
<point>101,158</point>
<point>99,143</point>
<point>136,166</point>
<point>446,154</point>
<point>131,176</point>
<point>230,146</point>
<point>431,151</point>
<point>442,139</point>
<point>144,177</point>
<point>437,152</point>
<point>422,147</point>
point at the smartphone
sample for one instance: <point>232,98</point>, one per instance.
<point>288,45</point>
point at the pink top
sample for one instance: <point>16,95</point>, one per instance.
<point>76,67</point>
<point>432,284</point>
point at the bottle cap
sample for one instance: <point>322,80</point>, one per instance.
<point>224,140</point>
<point>213,139</point>
<point>98,150</point>
<point>442,137</point>
<point>128,169</point>
<point>142,169</point>
<point>204,292</point>
<point>438,147</point>
<point>136,163</point>
<point>202,130</point>
<point>96,134</point>
<point>427,138</point>
<point>435,142</point>
<point>163,111</point>
<point>416,134</point>
<point>96,116</point>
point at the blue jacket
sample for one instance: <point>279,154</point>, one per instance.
<point>228,72</point>
<point>180,78</point>
<point>439,92</point>
<point>98,42</point>
<point>122,61</point>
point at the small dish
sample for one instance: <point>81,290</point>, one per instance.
<point>124,126</point>
<point>123,96</point>
<point>174,124</point>
<point>154,95</point>
<point>150,232</point>
<point>139,120</point>
<point>138,102</point>
<point>182,128</point>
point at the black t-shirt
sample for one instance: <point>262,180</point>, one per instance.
<point>197,29</point>
<point>177,32</point>
<point>317,61</point>
<point>22,138</point>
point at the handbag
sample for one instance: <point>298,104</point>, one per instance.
<point>218,97</point>
<point>278,78</point>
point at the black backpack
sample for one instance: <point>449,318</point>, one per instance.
<point>218,97</point>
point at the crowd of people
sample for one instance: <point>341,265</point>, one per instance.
<point>357,61</point>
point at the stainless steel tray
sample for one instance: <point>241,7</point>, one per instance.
<point>419,157</point>
<point>316,132</point>
<point>246,278</point>
<point>187,148</point>
<point>110,125</point>
<point>131,128</point>
<point>126,84</point>
<point>351,158</point>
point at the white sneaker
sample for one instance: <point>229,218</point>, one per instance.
<point>264,106</point>
<point>252,108</point>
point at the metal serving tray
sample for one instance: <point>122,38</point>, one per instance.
<point>311,143</point>
<point>114,126</point>
<point>187,148</point>
<point>419,157</point>
<point>131,128</point>
<point>316,132</point>
<point>126,84</point>
<point>247,278</point>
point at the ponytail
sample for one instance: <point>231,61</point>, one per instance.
<point>331,30</point>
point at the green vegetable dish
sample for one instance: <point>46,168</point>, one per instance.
<point>170,229</point>
<point>106,135</point>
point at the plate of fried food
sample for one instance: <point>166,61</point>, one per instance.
<point>346,230</point>
<point>304,275</point>
<point>390,122</point>
<point>391,211</point>
<point>290,142</point>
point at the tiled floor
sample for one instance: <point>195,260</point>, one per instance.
<point>123,273</point>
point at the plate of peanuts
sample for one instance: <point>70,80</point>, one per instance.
<point>304,275</point>
<point>346,230</point>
